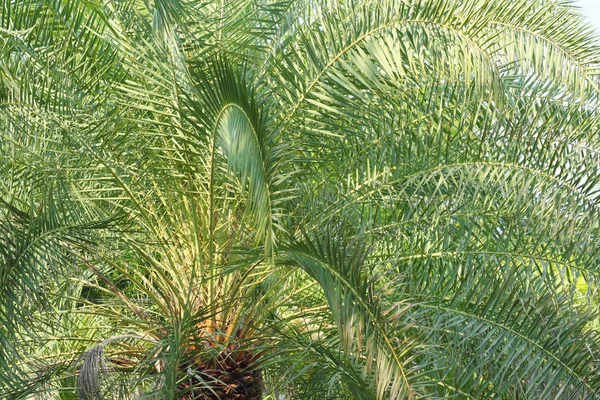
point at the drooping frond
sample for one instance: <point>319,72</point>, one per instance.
<point>336,264</point>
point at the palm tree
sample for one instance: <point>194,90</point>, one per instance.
<point>298,199</point>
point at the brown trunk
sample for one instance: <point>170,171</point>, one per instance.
<point>232,376</point>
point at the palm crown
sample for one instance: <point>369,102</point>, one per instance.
<point>298,199</point>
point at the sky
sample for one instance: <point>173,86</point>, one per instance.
<point>591,9</point>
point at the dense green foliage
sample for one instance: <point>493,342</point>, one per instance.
<point>313,199</point>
